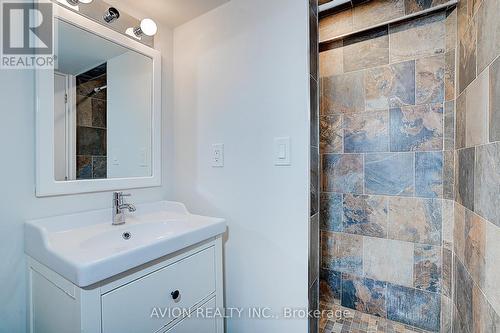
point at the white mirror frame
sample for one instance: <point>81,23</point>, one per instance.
<point>46,185</point>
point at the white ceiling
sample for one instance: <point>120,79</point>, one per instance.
<point>170,12</point>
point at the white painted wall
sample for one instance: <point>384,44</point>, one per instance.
<point>17,178</point>
<point>241,78</point>
<point>130,83</point>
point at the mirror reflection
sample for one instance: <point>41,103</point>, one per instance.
<point>102,108</point>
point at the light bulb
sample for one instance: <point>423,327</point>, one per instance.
<point>76,2</point>
<point>148,27</point>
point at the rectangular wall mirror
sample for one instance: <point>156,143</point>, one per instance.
<point>103,102</point>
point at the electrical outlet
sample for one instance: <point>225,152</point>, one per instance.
<point>218,155</point>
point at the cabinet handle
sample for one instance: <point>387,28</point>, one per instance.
<point>175,294</point>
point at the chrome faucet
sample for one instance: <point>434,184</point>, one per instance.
<point>118,206</point>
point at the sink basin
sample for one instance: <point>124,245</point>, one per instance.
<point>86,248</point>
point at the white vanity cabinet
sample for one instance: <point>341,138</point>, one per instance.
<point>169,294</point>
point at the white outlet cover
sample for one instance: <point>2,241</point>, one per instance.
<point>218,155</point>
<point>282,151</point>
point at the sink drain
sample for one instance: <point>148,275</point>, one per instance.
<point>126,235</point>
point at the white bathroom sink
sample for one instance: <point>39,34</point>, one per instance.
<point>86,248</point>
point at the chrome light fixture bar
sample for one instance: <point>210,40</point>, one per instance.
<point>112,14</point>
<point>147,27</point>
<point>77,2</point>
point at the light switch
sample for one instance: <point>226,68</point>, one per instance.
<point>282,151</point>
<point>218,155</point>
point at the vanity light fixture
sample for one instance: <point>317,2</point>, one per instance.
<point>110,15</point>
<point>77,2</point>
<point>148,27</point>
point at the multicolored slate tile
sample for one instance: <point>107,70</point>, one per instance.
<point>477,110</point>
<point>331,212</point>
<point>429,174</point>
<point>488,39</point>
<point>366,49</point>
<point>430,72</point>
<point>331,134</point>
<point>330,286</point>
<point>449,76</point>
<point>417,38</point>
<point>366,132</point>
<point>365,215</point>
<point>365,295</point>
<point>343,93</point>
<point>449,175</point>
<point>486,181</point>
<point>464,177</point>
<point>447,272</point>
<point>415,220</point>
<point>388,260</point>
<point>475,246</point>
<point>342,252</point>
<point>428,267</point>
<point>467,57</point>
<point>388,173</point>
<point>449,125</point>
<point>390,86</point>
<point>460,118</point>
<point>343,173</point>
<point>494,115</point>
<point>314,180</point>
<point>376,12</point>
<point>463,285</point>
<point>415,6</point>
<point>414,307</point>
<point>415,128</point>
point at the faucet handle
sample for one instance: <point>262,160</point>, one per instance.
<point>125,194</point>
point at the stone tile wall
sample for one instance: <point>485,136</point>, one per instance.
<point>387,141</point>
<point>476,232</point>
<point>314,164</point>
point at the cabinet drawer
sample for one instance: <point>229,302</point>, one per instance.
<point>196,324</point>
<point>143,305</point>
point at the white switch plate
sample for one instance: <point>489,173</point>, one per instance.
<point>218,155</point>
<point>282,151</point>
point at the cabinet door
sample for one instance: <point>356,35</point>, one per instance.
<point>146,304</point>
<point>195,324</point>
